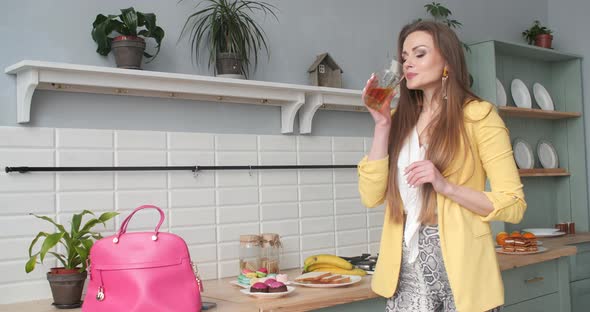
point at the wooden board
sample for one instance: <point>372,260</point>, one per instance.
<point>542,172</point>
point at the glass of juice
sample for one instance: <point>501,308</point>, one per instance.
<point>387,80</point>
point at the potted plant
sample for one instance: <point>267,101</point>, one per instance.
<point>128,44</point>
<point>538,34</point>
<point>442,14</point>
<point>67,282</point>
<point>230,33</point>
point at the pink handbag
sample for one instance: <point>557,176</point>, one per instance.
<point>142,272</point>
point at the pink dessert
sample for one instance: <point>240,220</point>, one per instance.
<point>259,287</point>
<point>270,281</point>
<point>277,287</point>
<point>283,278</point>
<point>263,270</point>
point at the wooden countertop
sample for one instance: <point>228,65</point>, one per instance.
<point>228,297</point>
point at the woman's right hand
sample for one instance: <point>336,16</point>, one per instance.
<point>381,116</point>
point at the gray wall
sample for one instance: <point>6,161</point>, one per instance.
<point>358,34</point>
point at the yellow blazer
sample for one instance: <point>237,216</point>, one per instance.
<point>465,237</point>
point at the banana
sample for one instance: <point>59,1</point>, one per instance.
<point>309,260</point>
<point>327,259</point>
<point>337,270</point>
<point>316,266</point>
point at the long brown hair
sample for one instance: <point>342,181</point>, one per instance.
<point>446,132</point>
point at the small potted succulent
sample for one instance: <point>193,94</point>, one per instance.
<point>67,282</point>
<point>128,43</point>
<point>538,34</point>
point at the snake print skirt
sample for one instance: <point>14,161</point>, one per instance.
<point>423,286</point>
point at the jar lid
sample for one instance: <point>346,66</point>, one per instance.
<point>250,238</point>
<point>272,239</point>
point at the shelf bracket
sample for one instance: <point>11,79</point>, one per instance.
<point>26,83</point>
<point>288,113</point>
<point>313,102</point>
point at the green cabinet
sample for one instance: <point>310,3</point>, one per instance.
<point>550,199</point>
<point>580,295</point>
<point>530,281</point>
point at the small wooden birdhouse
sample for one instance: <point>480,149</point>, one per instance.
<point>325,72</point>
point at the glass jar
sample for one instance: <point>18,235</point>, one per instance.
<point>249,252</point>
<point>270,252</point>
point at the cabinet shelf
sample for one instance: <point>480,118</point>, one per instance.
<point>32,75</point>
<point>509,111</point>
<point>542,172</point>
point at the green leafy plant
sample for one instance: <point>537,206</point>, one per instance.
<point>227,26</point>
<point>535,30</point>
<point>442,14</point>
<point>76,243</point>
<point>128,23</point>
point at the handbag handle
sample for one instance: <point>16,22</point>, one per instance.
<point>123,228</point>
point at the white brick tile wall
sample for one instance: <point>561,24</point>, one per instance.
<point>78,201</point>
<point>27,137</point>
<point>84,138</point>
<point>315,158</point>
<point>317,176</point>
<point>278,194</point>
<point>277,158</point>
<point>279,211</point>
<point>314,144</point>
<point>235,142</point>
<point>278,177</point>
<point>196,235</point>
<point>277,143</point>
<point>144,140</point>
<point>346,144</point>
<point>317,209</point>
<point>283,228</point>
<point>317,225</point>
<point>192,198</point>
<point>237,214</point>
<point>24,203</point>
<point>232,232</point>
<point>190,141</point>
<point>314,211</point>
<point>192,216</point>
<point>15,249</point>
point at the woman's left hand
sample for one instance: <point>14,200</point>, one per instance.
<point>425,171</point>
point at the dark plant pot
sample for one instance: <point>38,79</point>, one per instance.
<point>544,41</point>
<point>229,65</point>
<point>67,289</point>
<point>128,51</point>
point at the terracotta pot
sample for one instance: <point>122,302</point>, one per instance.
<point>128,51</point>
<point>63,271</point>
<point>67,289</point>
<point>543,41</point>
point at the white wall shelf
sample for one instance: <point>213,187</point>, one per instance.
<point>32,75</point>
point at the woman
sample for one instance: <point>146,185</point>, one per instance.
<point>429,161</point>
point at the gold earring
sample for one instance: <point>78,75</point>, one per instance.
<point>444,83</point>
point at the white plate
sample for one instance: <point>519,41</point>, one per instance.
<point>353,279</point>
<point>262,295</point>
<point>520,94</point>
<point>547,154</point>
<point>541,230</point>
<point>236,283</point>
<point>540,249</point>
<point>539,243</point>
<point>542,97</point>
<point>500,94</point>
<point>523,154</point>
<point>551,234</point>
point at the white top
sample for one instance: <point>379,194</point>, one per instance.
<point>409,153</point>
